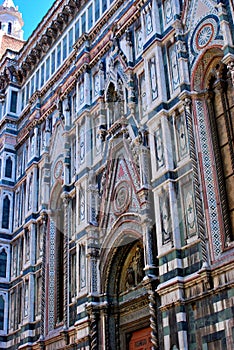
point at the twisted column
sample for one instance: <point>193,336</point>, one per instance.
<point>153,320</point>
<point>150,285</point>
<point>66,201</point>
<point>43,276</point>
<point>93,317</point>
<point>196,182</point>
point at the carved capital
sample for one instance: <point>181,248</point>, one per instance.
<point>187,102</point>
<point>66,199</point>
<point>44,217</point>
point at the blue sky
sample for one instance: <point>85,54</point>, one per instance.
<point>32,12</point>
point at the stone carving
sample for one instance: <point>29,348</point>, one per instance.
<point>231,71</point>
<point>82,205</point>
<point>139,41</point>
<point>159,148</point>
<point>148,22</point>
<point>135,271</point>
<point>174,67</point>
<point>122,197</point>
<point>168,12</point>
<point>166,224</point>
<point>82,267</point>
<point>153,78</point>
<point>181,136</point>
<point>143,95</point>
<point>26,299</point>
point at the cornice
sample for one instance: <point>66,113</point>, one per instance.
<point>55,23</point>
<point>84,63</point>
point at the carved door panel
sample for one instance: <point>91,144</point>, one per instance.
<point>141,340</point>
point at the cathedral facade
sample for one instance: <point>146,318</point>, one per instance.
<point>117,176</point>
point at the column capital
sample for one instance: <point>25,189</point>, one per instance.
<point>66,199</point>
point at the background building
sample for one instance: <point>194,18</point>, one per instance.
<point>117,176</point>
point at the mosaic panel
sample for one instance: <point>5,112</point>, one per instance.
<point>51,276</point>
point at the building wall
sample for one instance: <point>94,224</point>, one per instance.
<point>116,178</point>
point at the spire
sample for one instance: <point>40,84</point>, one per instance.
<point>8,3</point>
<point>11,21</point>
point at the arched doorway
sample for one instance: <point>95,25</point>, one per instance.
<point>127,307</point>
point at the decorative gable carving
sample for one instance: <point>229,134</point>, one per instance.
<point>121,183</point>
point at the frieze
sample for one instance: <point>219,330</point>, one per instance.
<point>135,311</point>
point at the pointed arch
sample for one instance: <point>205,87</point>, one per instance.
<point>214,110</point>
<point>8,167</point>
<point>114,250</point>
<point>3,263</point>
<point>2,310</point>
<point>6,212</point>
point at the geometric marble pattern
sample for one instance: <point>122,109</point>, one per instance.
<point>209,180</point>
<point>51,275</point>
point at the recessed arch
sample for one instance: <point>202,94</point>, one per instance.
<point>214,108</point>
<point>115,249</point>
<point>3,263</point>
<point>203,67</point>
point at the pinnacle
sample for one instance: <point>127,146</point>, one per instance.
<point>8,3</point>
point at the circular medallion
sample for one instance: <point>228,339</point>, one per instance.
<point>122,197</point>
<point>58,169</point>
<point>205,35</point>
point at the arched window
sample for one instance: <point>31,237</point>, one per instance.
<point>3,263</point>
<point>6,213</point>
<point>2,313</point>
<point>8,168</point>
<point>221,108</point>
<point>9,29</point>
<point>214,110</point>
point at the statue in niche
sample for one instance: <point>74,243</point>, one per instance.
<point>14,259</point>
<point>143,95</point>
<point>30,192</point>
<point>112,99</point>
<point>82,205</point>
<point>26,300</point>
<point>148,20</point>
<point>103,182</point>
<point>41,233</point>
<point>181,136</point>
<point>27,245</point>
<point>166,219</point>
<point>82,267</point>
<point>153,78</point>
<point>82,144</point>
<point>33,145</point>
<point>81,90</point>
<point>159,148</point>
